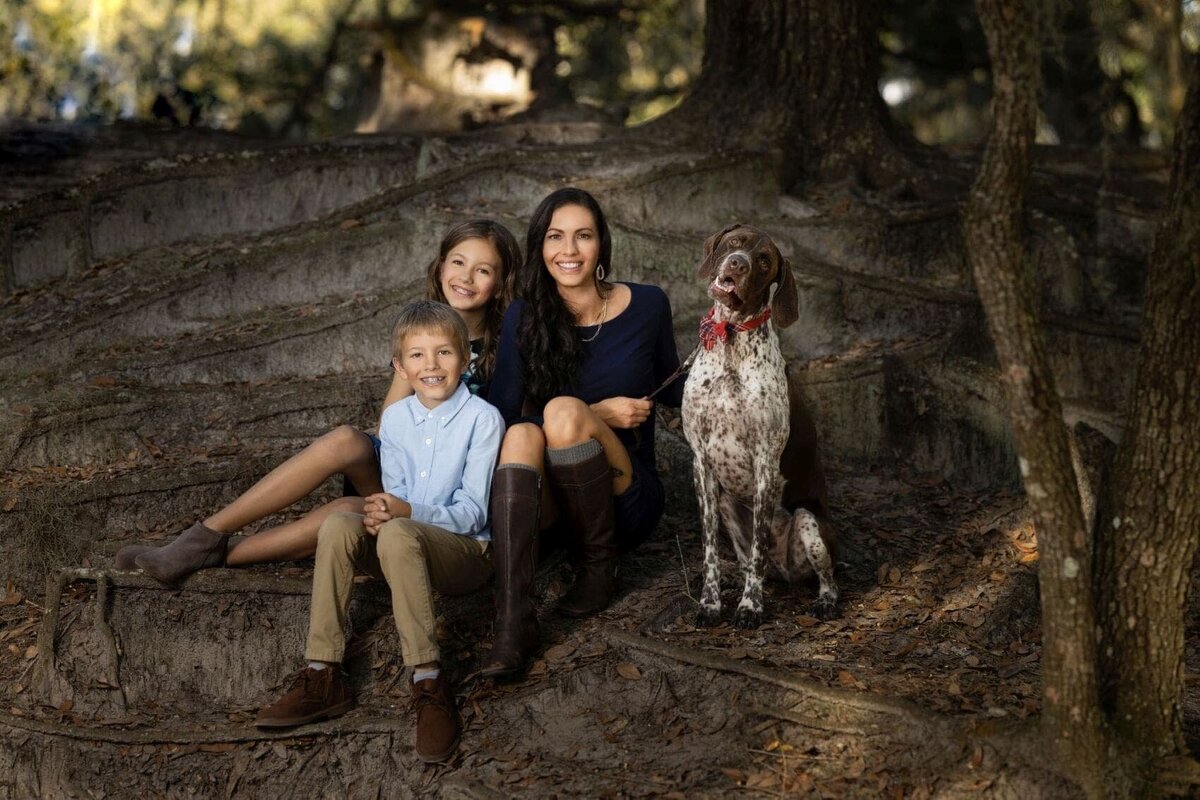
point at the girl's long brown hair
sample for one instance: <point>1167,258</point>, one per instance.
<point>510,260</point>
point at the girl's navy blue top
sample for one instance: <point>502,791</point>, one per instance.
<point>631,357</point>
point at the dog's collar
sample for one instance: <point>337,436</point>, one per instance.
<point>712,332</point>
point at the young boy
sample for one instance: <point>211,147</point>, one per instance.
<point>428,530</point>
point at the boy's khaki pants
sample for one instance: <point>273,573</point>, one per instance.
<point>413,557</point>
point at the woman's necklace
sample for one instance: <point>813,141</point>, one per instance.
<point>603,314</point>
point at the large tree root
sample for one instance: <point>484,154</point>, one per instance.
<point>850,711</point>
<point>392,725</point>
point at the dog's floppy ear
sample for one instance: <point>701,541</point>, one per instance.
<point>785,305</point>
<point>708,269</point>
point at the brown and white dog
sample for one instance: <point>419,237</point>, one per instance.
<point>757,468</point>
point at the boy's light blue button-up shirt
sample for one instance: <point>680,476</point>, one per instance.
<point>441,460</point>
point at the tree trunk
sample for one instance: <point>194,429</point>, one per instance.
<point>797,74</point>
<point>996,249</point>
<point>1146,542</point>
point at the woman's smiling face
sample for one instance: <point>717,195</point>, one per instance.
<point>572,246</point>
<point>470,274</point>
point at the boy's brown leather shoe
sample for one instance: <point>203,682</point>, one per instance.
<point>315,694</point>
<point>438,723</point>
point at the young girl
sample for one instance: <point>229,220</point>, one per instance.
<point>474,273</point>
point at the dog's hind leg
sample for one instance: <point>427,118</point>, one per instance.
<point>708,494</point>
<point>808,544</point>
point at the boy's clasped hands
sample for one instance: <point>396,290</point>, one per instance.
<point>380,508</point>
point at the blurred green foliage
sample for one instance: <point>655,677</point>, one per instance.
<point>302,68</point>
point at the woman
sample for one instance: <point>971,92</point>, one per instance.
<point>473,272</point>
<point>578,357</point>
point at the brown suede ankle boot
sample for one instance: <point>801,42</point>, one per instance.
<point>194,549</point>
<point>516,495</point>
<point>124,559</point>
<point>315,694</point>
<point>585,489</point>
<point>438,725</point>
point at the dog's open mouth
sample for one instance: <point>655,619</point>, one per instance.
<point>724,290</point>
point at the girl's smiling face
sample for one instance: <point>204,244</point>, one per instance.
<point>571,248</point>
<point>469,275</point>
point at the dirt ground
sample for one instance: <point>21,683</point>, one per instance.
<point>937,648</point>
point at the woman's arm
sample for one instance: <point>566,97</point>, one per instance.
<point>630,412</point>
<point>622,412</point>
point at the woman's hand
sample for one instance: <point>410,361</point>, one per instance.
<point>381,508</point>
<point>623,412</point>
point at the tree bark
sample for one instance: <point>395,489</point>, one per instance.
<point>1146,542</point>
<point>996,246</point>
<point>797,74</point>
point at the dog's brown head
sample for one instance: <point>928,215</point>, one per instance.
<point>742,264</point>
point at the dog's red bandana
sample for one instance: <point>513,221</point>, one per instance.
<point>712,332</point>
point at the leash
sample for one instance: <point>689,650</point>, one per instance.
<point>711,333</point>
<point>684,367</point>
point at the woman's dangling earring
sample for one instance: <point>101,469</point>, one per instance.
<point>600,272</point>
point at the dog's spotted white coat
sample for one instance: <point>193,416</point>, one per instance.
<point>736,418</point>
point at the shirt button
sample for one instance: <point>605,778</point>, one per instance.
<point>429,441</point>
<point>423,473</point>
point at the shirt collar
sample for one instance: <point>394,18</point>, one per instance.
<point>444,412</point>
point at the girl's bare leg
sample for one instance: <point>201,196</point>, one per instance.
<point>291,541</point>
<point>342,450</point>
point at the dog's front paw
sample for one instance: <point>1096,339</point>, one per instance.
<point>825,609</point>
<point>708,617</point>
<point>747,618</point>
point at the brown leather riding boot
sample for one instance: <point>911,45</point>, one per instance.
<point>585,489</point>
<point>516,494</point>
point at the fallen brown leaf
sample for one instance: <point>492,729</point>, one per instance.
<point>559,651</point>
<point>629,672</point>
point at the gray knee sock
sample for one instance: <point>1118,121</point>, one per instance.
<point>516,465</point>
<point>575,454</point>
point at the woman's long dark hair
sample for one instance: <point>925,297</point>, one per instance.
<point>548,341</point>
<point>493,315</point>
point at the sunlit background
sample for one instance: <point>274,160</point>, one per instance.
<point>314,69</point>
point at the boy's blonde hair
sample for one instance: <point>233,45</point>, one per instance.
<point>426,315</point>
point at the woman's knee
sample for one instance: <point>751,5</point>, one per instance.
<point>524,443</point>
<point>568,421</point>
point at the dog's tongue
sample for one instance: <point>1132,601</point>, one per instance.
<point>725,289</point>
